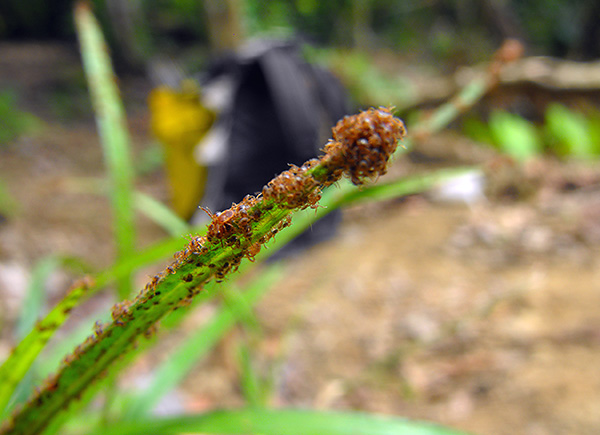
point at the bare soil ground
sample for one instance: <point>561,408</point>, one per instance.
<point>482,317</point>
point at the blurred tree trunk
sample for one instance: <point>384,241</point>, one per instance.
<point>225,24</point>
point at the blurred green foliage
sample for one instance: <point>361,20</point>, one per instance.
<point>565,133</point>
<point>8,204</point>
<point>13,121</point>
<point>457,31</point>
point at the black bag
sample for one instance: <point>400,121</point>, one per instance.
<point>280,111</point>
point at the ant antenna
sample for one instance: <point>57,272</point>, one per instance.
<point>207,211</point>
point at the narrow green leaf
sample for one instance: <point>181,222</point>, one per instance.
<point>36,295</point>
<point>112,126</point>
<point>250,382</point>
<point>280,422</point>
<point>22,356</point>
<point>31,310</point>
<point>161,215</point>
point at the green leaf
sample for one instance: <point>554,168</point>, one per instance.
<point>515,136</point>
<point>569,132</point>
<point>114,137</point>
<point>249,380</point>
<point>36,294</point>
<point>31,309</point>
<point>280,422</point>
<point>477,130</point>
<point>22,357</point>
<point>161,215</point>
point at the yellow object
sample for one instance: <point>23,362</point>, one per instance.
<point>179,121</point>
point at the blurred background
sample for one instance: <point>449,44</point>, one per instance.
<point>474,305</point>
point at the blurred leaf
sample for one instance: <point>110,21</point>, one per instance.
<point>280,422</point>
<point>249,379</point>
<point>112,126</point>
<point>14,122</point>
<point>31,309</point>
<point>477,130</point>
<point>569,133</point>
<point>364,80</point>
<point>161,215</point>
<point>515,136</point>
<point>35,297</point>
<point>22,357</point>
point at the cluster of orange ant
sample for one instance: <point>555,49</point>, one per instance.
<point>363,144</point>
<point>361,147</point>
<point>294,188</point>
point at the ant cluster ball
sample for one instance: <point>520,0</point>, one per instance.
<point>363,144</point>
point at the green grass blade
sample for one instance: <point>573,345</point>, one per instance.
<point>31,309</point>
<point>344,194</point>
<point>249,380</point>
<point>280,422</point>
<point>22,356</point>
<point>348,194</point>
<point>112,126</point>
<point>36,295</point>
<point>161,215</point>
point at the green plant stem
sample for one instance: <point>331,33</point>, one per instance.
<point>203,260</point>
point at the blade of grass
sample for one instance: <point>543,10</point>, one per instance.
<point>249,379</point>
<point>334,197</point>
<point>18,386</point>
<point>21,358</point>
<point>280,422</point>
<point>161,215</point>
<point>344,194</point>
<point>152,208</point>
<point>36,295</point>
<point>112,127</point>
